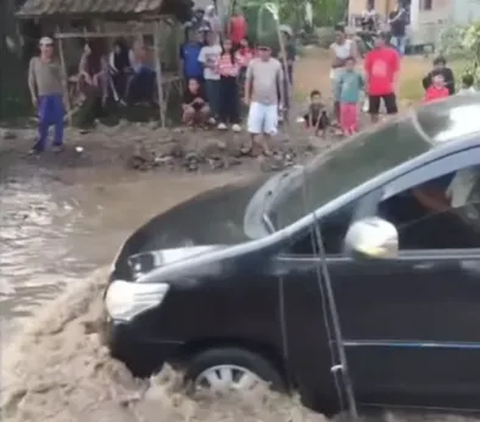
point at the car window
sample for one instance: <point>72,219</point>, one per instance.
<point>442,213</point>
<point>333,229</point>
<point>354,163</point>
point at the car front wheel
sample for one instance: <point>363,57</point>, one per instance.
<point>224,370</point>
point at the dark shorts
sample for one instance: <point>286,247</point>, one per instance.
<point>390,101</point>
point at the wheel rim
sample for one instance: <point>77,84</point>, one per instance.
<point>224,378</point>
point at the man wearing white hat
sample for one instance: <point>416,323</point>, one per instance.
<point>46,81</point>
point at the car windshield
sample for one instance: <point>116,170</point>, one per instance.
<point>358,160</point>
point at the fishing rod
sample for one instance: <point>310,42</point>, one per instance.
<point>337,349</point>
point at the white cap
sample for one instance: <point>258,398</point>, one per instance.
<point>45,41</point>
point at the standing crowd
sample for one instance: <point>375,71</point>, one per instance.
<point>222,68</point>
<point>377,83</point>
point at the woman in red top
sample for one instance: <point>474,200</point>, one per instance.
<point>437,90</point>
<point>229,68</point>
<point>237,28</point>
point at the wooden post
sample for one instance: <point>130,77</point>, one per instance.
<point>66,87</point>
<point>287,93</point>
<point>158,65</point>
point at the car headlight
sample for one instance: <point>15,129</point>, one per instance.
<point>124,300</point>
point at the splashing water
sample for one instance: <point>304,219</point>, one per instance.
<point>59,370</point>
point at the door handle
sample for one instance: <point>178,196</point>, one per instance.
<point>423,266</point>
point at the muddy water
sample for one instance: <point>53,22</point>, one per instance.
<point>58,236</point>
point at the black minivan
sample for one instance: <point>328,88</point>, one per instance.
<point>232,284</point>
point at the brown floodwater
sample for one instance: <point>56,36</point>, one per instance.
<point>59,233</point>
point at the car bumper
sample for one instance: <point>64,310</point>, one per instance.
<point>141,354</point>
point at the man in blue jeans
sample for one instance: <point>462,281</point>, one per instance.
<point>398,21</point>
<point>47,82</point>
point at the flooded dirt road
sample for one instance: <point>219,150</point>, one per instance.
<point>56,230</point>
<point>60,229</point>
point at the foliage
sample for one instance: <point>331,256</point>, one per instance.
<point>451,42</point>
<point>463,43</point>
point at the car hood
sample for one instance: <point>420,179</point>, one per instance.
<point>207,221</point>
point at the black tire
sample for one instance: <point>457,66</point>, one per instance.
<point>238,357</point>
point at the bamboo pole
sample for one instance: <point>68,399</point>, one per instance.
<point>287,93</point>
<point>65,73</point>
<point>158,65</point>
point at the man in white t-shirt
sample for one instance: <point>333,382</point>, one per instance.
<point>209,57</point>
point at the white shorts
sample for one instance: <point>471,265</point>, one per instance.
<point>263,119</point>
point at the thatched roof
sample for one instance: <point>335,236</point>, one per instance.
<point>91,8</point>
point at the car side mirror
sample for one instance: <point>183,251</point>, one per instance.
<point>372,237</point>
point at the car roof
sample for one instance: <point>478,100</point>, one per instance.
<point>450,125</point>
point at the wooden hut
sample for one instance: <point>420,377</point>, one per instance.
<point>81,19</point>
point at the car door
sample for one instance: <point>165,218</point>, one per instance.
<point>409,325</point>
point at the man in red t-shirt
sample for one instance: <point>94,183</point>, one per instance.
<point>237,28</point>
<point>381,68</point>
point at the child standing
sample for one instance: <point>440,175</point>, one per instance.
<point>228,69</point>
<point>316,117</point>
<point>437,89</point>
<point>467,85</point>
<point>350,86</point>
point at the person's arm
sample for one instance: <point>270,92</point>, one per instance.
<point>353,49</point>
<point>248,83</point>
<point>32,84</point>
<point>450,80</point>
<point>338,86</point>
<point>361,82</point>
<point>187,100</point>
<point>396,70</point>
<point>82,69</point>
<point>281,84</point>
<point>367,64</point>
<point>111,62</point>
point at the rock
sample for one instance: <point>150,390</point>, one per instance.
<point>164,160</point>
<point>234,147</point>
<point>7,134</point>
<point>273,163</point>
<point>215,164</point>
<point>211,147</point>
<point>141,158</point>
<point>153,124</point>
<point>231,161</point>
<point>177,150</point>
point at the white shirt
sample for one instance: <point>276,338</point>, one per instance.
<point>467,91</point>
<point>461,187</point>
<point>210,54</point>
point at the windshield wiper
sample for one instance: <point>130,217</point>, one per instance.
<point>268,224</point>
